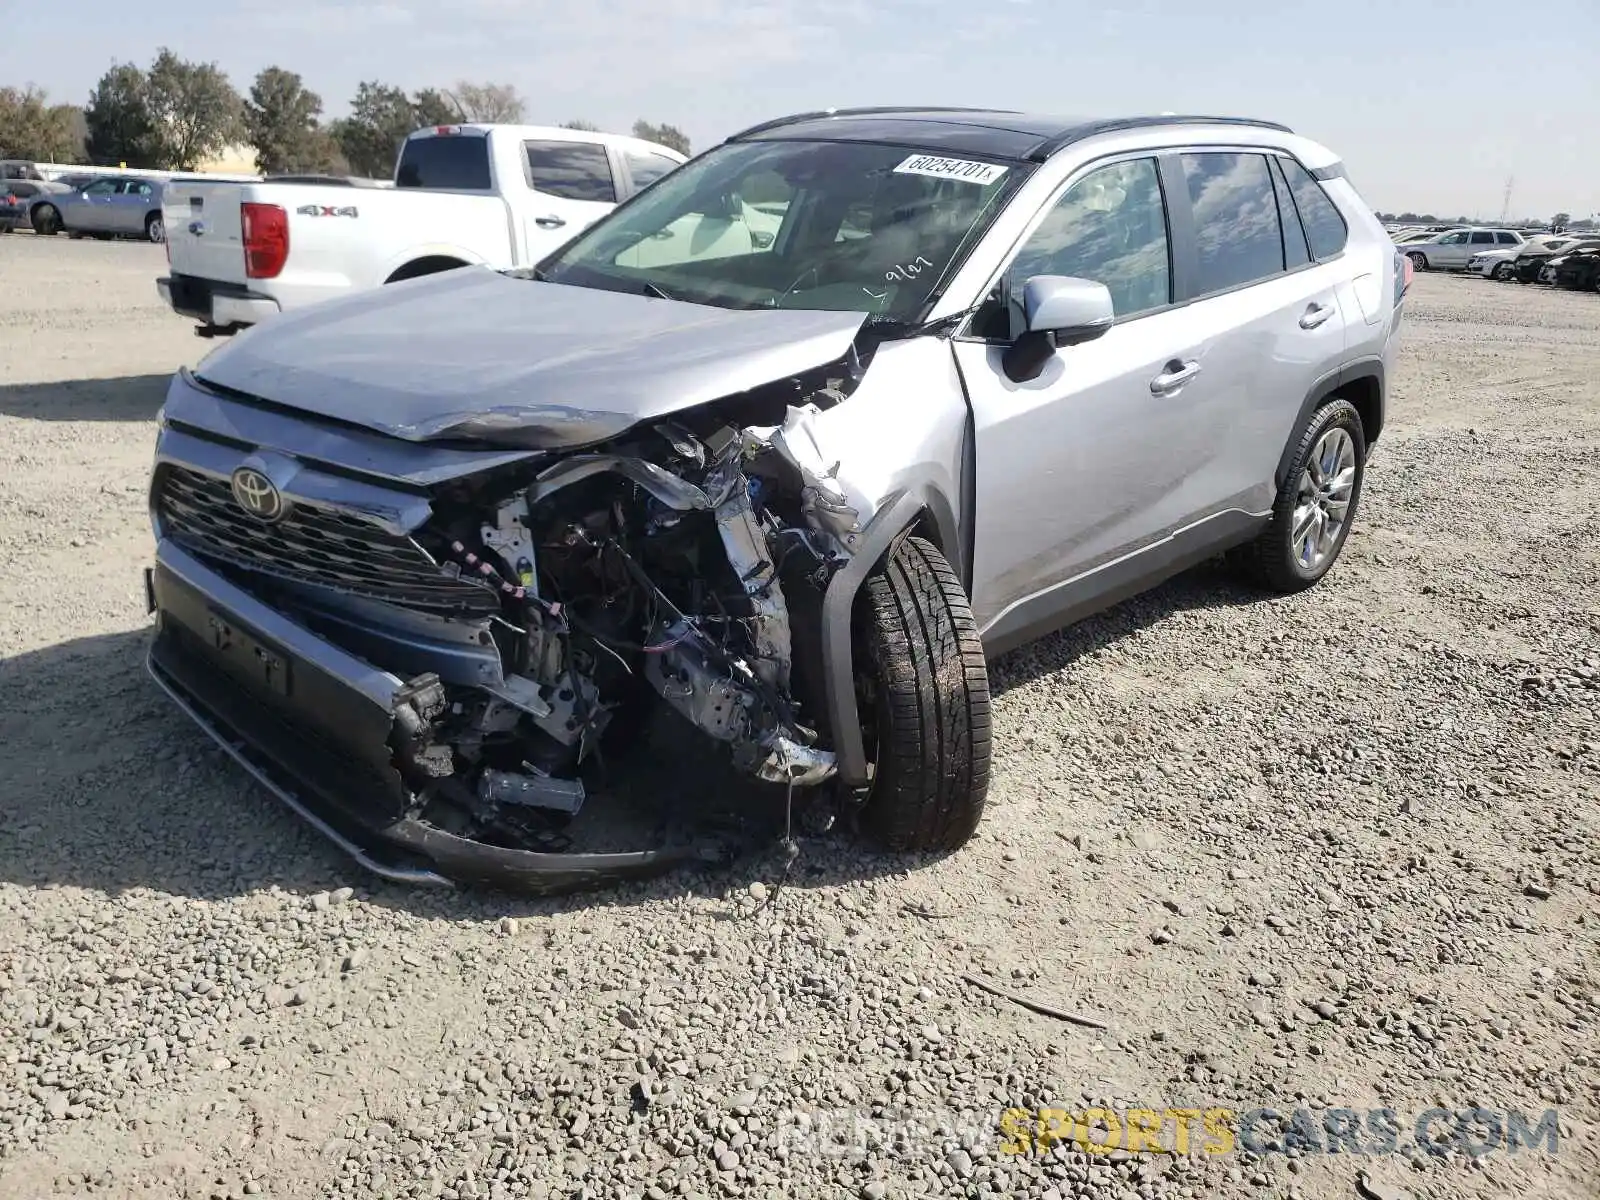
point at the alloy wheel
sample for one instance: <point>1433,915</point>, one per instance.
<point>1323,504</point>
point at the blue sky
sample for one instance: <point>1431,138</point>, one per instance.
<point>1432,106</point>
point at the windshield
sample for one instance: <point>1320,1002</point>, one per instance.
<point>842,226</point>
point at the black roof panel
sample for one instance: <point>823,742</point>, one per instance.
<point>992,132</point>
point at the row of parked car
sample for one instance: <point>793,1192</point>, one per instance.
<point>1570,260</point>
<point>92,203</point>
<point>1560,259</point>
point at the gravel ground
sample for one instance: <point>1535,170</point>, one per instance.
<point>1333,851</point>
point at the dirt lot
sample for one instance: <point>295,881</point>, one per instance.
<point>1338,851</point>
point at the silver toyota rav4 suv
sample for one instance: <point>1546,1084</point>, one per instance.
<point>787,445</point>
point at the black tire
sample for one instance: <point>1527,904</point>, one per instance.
<point>925,691</point>
<point>1272,560</point>
<point>1503,272</point>
<point>154,229</point>
<point>46,219</point>
<point>1418,260</point>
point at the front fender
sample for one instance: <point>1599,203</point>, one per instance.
<point>895,520</point>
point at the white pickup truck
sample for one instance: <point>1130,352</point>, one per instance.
<point>502,196</point>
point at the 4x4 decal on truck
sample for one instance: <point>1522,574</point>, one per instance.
<point>327,210</point>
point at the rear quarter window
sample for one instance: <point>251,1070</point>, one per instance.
<point>453,162</point>
<point>1324,225</point>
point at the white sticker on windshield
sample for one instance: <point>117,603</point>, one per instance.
<point>981,173</point>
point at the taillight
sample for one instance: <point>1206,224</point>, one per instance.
<point>266,239</point>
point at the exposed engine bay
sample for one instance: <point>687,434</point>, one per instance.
<point>672,565</point>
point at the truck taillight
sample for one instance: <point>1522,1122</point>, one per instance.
<point>266,239</point>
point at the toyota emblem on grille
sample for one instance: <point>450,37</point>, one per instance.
<point>257,494</point>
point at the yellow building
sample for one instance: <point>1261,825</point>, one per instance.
<point>234,160</point>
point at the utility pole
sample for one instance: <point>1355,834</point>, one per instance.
<point>1505,201</point>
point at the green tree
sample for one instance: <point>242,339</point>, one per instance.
<point>370,137</point>
<point>280,119</point>
<point>666,135</point>
<point>120,124</point>
<point>1560,221</point>
<point>34,129</point>
<point>585,126</point>
<point>431,107</point>
<point>194,109</point>
<point>492,102</point>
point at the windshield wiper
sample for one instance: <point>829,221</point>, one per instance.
<point>893,327</point>
<point>656,290</point>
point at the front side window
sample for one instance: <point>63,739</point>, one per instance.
<point>1235,219</point>
<point>570,170</point>
<point>842,226</point>
<point>1453,239</point>
<point>101,187</point>
<point>647,168</point>
<point>1111,227</point>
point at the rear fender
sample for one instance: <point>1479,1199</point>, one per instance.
<point>412,254</point>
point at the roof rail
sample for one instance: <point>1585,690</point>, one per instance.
<point>1116,124</point>
<point>870,111</point>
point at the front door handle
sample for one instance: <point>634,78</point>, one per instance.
<point>1174,376</point>
<point>1315,315</point>
<point>549,222</point>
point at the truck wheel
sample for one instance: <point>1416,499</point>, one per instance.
<point>1316,502</point>
<point>154,229</point>
<point>924,691</point>
<point>46,219</point>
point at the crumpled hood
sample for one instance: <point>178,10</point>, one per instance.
<point>477,355</point>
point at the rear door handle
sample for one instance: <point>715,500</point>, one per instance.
<point>1315,315</point>
<point>1174,377</point>
<point>549,222</point>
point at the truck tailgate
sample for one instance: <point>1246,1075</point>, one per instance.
<point>203,233</point>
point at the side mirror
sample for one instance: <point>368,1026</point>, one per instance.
<point>1057,310</point>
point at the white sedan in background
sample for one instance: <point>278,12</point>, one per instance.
<point>1496,263</point>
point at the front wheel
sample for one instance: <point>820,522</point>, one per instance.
<point>1418,260</point>
<point>1503,272</point>
<point>924,688</point>
<point>154,229</point>
<point>46,219</point>
<point>1316,502</point>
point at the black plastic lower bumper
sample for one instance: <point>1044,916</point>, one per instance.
<point>309,722</point>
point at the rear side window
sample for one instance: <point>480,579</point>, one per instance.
<point>455,162</point>
<point>647,168</point>
<point>570,170</point>
<point>1506,239</point>
<point>1325,227</point>
<point>1479,239</point>
<point>1235,219</point>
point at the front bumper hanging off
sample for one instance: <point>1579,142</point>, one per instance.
<point>312,724</point>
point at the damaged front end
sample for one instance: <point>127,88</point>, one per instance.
<point>437,674</point>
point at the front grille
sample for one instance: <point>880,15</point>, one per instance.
<point>309,545</point>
